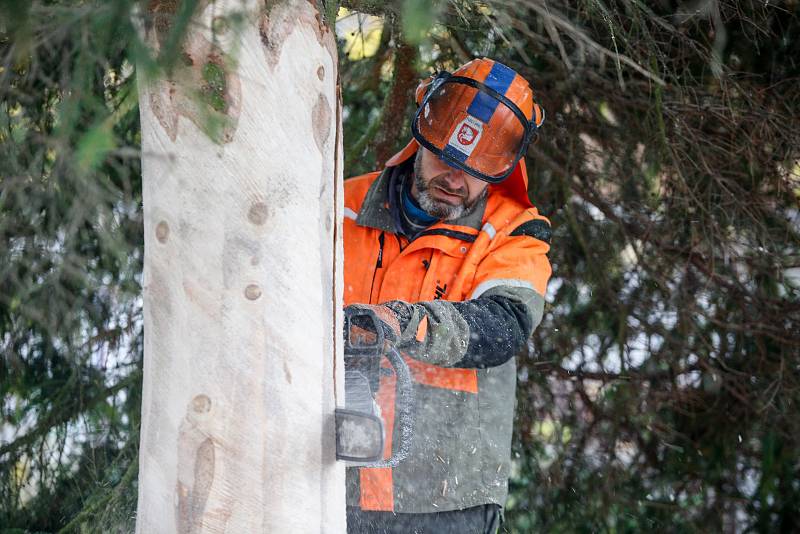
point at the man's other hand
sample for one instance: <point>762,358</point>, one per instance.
<point>363,333</point>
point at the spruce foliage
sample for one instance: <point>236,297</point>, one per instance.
<point>662,389</point>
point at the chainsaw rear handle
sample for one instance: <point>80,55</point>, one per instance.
<point>404,398</point>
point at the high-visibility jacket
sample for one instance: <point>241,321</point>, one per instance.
<point>460,454</point>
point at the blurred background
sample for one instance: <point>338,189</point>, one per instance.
<point>662,390</point>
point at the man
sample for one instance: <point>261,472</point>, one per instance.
<point>446,248</point>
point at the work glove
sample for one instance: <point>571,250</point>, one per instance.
<point>362,355</point>
<point>362,330</point>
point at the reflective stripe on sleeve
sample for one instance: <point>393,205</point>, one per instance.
<point>350,214</point>
<point>489,229</point>
<point>483,287</point>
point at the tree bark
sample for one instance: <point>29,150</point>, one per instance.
<point>242,274</point>
<point>397,103</point>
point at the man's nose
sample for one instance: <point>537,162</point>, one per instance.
<point>455,178</point>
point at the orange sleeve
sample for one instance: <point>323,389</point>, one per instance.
<point>516,260</point>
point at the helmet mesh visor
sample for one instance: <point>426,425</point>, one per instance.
<point>472,127</point>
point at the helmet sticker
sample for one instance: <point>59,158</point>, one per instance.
<point>466,135</point>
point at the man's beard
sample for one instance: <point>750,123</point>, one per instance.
<point>439,208</point>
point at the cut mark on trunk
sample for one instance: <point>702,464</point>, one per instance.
<point>280,19</point>
<point>203,475</point>
<point>321,122</point>
<point>258,213</point>
<point>203,86</point>
<point>192,502</point>
<point>162,109</point>
<point>162,232</point>
<point>196,466</point>
<point>252,292</point>
<point>286,373</point>
<point>162,15</point>
<point>201,404</point>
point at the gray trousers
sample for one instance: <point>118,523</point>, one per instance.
<point>483,519</point>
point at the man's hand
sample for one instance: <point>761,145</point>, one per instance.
<point>362,353</point>
<point>362,332</point>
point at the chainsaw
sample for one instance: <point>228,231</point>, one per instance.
<point>360,429</point>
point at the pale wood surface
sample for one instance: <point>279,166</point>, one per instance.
<point>242,280</point>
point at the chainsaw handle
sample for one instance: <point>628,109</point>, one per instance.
<point>404,410</point>
<point>368,320</point>
<point>365,319</point>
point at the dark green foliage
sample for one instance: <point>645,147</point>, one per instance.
<point>70,263</point>
<point>661,390</point>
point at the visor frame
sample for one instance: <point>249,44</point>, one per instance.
<point>529,127</point>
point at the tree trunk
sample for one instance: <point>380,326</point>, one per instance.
<point>242,274</point>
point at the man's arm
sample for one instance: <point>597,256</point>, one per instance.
<point>481,332</point>
<point>494,324</point>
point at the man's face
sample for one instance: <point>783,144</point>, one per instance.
<point>443,191</point>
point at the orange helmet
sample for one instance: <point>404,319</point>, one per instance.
<point>479,119</point>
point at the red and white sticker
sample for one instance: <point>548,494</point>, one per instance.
<point>466,135</point>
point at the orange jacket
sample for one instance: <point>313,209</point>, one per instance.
<point>459,459</point>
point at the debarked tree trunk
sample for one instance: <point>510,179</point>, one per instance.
<point>242,273</point>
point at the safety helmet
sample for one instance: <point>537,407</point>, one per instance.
<point>480,118</point>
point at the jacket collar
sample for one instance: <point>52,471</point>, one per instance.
<point>374,211</point>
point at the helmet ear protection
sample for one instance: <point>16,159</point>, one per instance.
<point>479,119</point>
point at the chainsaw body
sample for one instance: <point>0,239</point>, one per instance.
<point>360,428</point>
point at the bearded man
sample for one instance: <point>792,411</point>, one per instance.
<point>445,247</point>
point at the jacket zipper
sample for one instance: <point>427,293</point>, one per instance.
<point>378,264</point>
